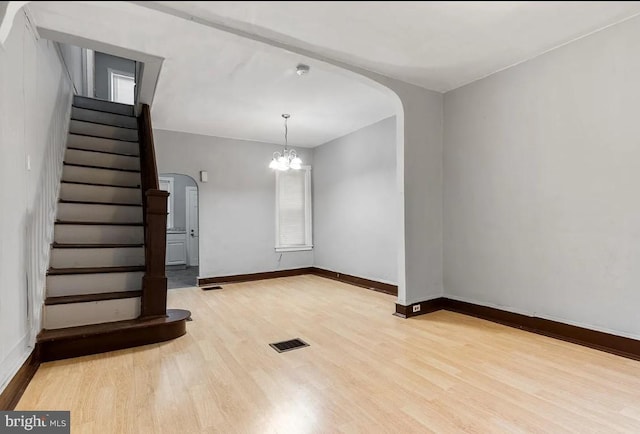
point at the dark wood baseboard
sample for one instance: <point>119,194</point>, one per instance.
<point>100,338</point>
<point>237,278</point>
<point>345,278</point>
<point>619,345</point>
<point>357,281</point>
<point>614,344</point>
<point>426,306</point>
<point>13,391</point>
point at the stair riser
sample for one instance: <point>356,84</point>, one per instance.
<point>99,213</point>
<point>81,284</point>
<point>105,106</point>
<point>97,234</point>
<point>100,176</point>
<point>90,193</point>
<point>95,312</point>
<point>104,145</point>
<point>100,117</point>
<point>106,131</point>
<point>101,257</point>
<point>86,158</point>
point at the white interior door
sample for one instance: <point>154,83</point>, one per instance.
<point>193,235</point>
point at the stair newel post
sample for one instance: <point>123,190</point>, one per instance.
<point>154,283</point>
<point>154,203</point>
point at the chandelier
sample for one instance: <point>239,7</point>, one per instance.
<point>287,159</point>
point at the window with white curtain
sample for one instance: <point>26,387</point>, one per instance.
<point>293,210</point>
<point>121,87</point>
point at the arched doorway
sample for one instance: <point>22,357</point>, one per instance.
<point>183,235</point>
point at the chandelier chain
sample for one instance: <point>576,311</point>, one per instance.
<point>286,133</point>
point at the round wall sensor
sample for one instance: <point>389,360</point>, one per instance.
<point>302,69</point>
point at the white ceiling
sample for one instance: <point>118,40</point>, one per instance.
<point>230,88</point>
<point>437,45</point>
<point>216,83</point>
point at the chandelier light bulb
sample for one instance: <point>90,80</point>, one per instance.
<point>296,163</point>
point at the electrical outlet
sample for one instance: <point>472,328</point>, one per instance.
<point>416,308</point>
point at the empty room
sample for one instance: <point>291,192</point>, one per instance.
<point>319,217</point>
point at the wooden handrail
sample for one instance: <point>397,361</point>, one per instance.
<point>148,167</point>
<point>154,208</point>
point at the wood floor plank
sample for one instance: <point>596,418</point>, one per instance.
<point>365,371</point>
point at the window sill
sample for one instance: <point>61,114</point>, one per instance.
<point>293,249</point>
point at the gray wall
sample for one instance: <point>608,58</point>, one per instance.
<point>355,203</point>
<point>72,57</point>
<point>102,63</point>
<point>421,179</point>
<point>180,182</point>
<point>542,174</point>
<point>237,205</point>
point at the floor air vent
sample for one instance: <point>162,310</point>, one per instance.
<point>284,346</point>
<point>209,288</point>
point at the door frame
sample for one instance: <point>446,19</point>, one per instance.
<point>187,191</point>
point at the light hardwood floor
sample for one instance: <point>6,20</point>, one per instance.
<point>364,371</point>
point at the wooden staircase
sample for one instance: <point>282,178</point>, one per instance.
<point>106,285</point>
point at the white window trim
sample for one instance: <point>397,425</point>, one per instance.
<point>112,73</point>
<point>308,216</point>
<point>170,180</point>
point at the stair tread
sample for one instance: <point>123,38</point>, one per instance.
<point>86,298</point>
<point>85,202</point>
<point>94,270</point>
<point>75,148</point>
<point>102,123</point>
<point>73,222</point>
<point>104,111</point>
<point>102,137</point>
<point>97,184</point>
<point>88,98</point>
<point>94,246</point>
<point>102,168</point>
<point>71,133</point>
<point>173,315</point>
<point>104,106</point>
